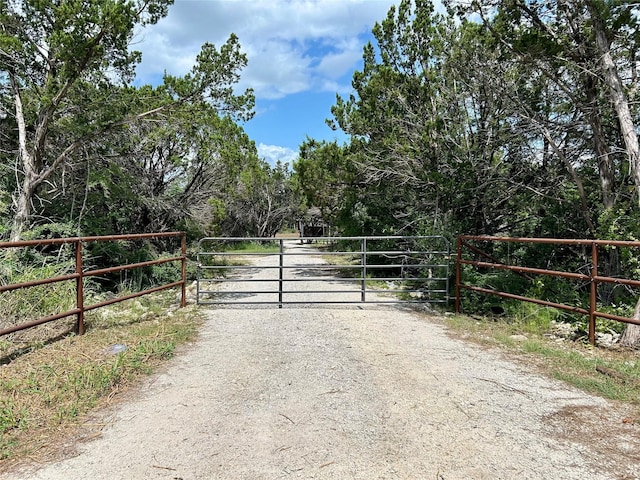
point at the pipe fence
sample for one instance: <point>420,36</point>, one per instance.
<point>80,274</point>
<point>465,245</point>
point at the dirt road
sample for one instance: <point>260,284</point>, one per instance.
<point>349,393</point>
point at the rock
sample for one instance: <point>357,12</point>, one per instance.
<point>606,339</point>
<point>564,330</point>
<point>116,348</point>
<point>190,293</point>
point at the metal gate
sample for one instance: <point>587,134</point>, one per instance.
<point>323,270</point>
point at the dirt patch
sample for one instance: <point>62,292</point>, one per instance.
<point>611,435</point>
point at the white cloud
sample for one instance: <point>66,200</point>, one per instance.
<point>335,64</point>
<point>276,69</point>
<point>292,45</point>
<point>273,153</point>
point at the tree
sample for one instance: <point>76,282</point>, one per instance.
<point>260,202</point>
<point>435,138</point>
<point>393,120</point>
<point>321,177</point>
<point>54,53</point>
<point>603,38</point>
<point>521,124</point>
<point>572,42</point>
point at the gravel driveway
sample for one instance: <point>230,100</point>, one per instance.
<point>372,392</point>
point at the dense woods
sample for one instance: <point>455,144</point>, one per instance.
<point>513,124</point>
<point>509,118</point>
<point>499,117</point>
<point>84,152</point>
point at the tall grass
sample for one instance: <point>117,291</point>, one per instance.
<point>21,305</point>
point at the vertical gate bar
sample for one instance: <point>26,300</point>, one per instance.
<point>198,272</point>
<point>363,249</point>
<point>447,297</point>
<point>183,248</point>
<point>79,289</point>
<point>458,273</point>
<point>593,294</point>
<point>281,273</point>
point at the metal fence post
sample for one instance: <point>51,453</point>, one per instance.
<point>458,273</point>
<point>183,249</point>
<point>364,269</point>
<point>80,328</point>
<point>281,273</point>
<point>593,294</point>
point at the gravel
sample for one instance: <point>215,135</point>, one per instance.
<point>359,392</point>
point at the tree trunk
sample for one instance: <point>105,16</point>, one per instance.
<point>23,210</point>
<point>631,335</point>
<point>605,161</point>
<point>29,183</point>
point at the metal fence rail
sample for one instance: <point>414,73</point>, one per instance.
<point>466,248</point>
<point>81,273</point>
<point>345,270</point>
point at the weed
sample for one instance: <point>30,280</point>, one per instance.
<point>11,417</point>
<point>531,318</point>
<point>38,301</point>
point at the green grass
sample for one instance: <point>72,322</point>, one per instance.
<point>38,301</point>
<point>266,247</point>
<point>255,248</point>
<point>48,386</point>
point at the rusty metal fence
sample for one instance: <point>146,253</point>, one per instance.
<point>465,247</point>
<point>80,274</point>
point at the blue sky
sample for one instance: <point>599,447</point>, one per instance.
<point>300,52</point>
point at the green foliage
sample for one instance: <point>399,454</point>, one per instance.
<point>29,264</point>
<point>111,160</point>
<point>321,177</point>
<point>49,231</point>
<point>11,417</point>
<point>611,297</point>
<point>532,318</point>
<point>258,200</point>
<point>469,128</point>
<point>267,246</point>
<point>218,214</point>
<point>115,253</point>
<point>165,273</point>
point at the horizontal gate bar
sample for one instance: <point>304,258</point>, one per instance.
<point>316,302</point>
<point>415,269</point>
<point>321,279</point>
<point>319,266</point>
